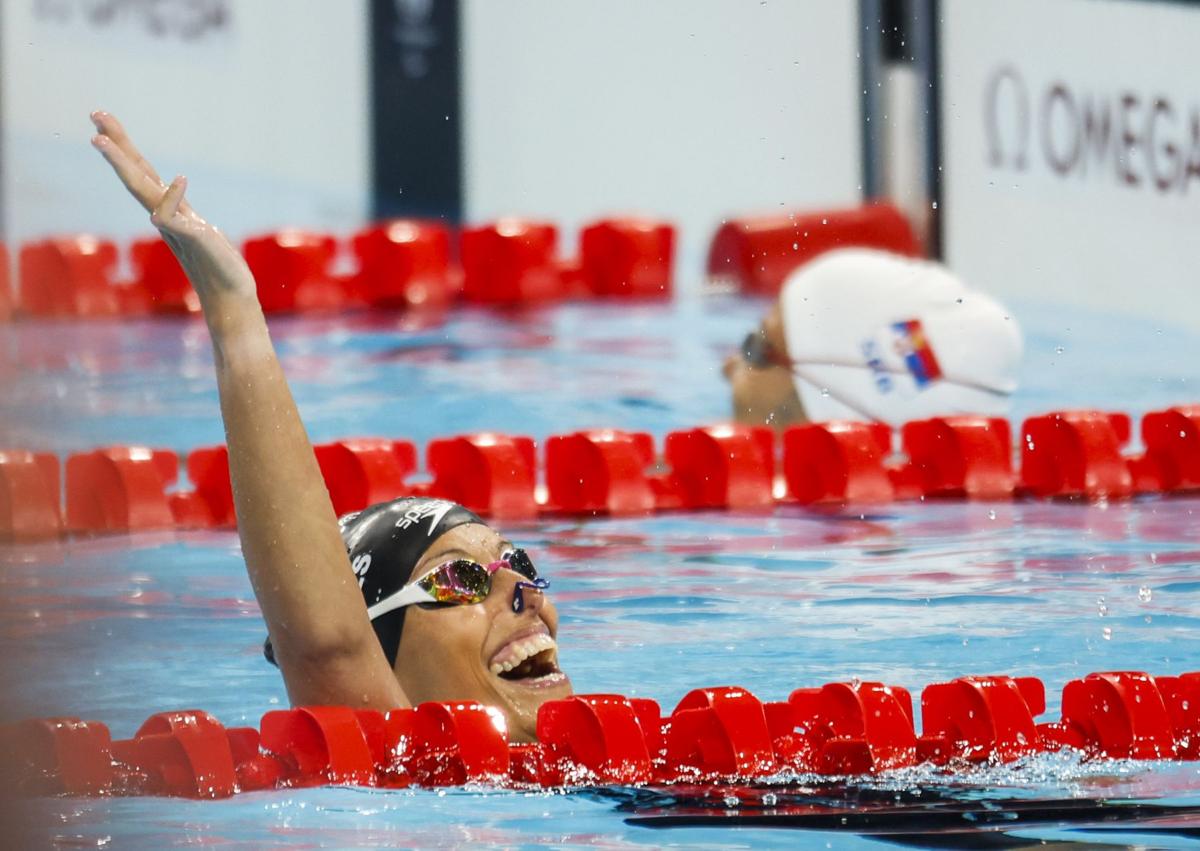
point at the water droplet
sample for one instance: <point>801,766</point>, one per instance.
<point>795,246</point>
<point>1107,633</point>
<point>1102,607</point>
<point>991,514</point>
<point>825,392</point>
<point>934,206</point>
<point>1145,594</point>
<point>730,801</point>
<point>1059,350</point>
<point>769,799</point>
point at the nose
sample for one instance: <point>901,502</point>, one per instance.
<point>730,366</point>
<point>520,592</point>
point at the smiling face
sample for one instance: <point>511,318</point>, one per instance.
<point>485,651</point>
<point>765,394</point>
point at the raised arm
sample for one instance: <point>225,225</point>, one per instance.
<point>294,553</point>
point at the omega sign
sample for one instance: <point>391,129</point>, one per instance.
<point>1139,139</point>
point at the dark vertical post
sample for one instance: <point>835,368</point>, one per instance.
<point>870,55</point>
<point>416,140</point>
<point>926,50</point>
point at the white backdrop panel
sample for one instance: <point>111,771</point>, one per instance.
<point>261,103</point>
<point>691,110</point>
<point>1072,152</point>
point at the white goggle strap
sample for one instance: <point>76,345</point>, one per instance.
<point>894,370</point>
<point>406,596</point>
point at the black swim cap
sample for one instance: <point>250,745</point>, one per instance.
<point>385,542</point>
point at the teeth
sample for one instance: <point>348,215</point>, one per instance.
<point>521,652</point>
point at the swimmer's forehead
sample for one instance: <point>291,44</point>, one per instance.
<point>472,540</point>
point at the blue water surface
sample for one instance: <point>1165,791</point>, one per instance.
<point>117,628</point>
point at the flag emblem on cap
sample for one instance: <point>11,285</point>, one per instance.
<point>913,346</point>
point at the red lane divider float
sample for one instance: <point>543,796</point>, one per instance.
<point>160,279</point>
<point>1172,460</point>
<point>1076,453</point>
<point>601,471</point>
<point>1065,455</point>
<point>838,462</point>
<point>855,728</point>
<point>29,495</point>
<point>405,263</point>
<point>292,270</point>
<point>757,254</point>
<point>511,261</point>
<point>488,473</point>
<point>6,299</point>
<point>713,734</point>
<point>70,276</point>
<point>120,489</point>
<point>964,457</point>
<point>627,257</point>
<point>363,471</point>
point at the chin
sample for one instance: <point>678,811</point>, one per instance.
<point>521,699</point>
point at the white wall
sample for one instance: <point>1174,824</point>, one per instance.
<point>262,103</point>
<point>690,110</point>
<point>1111,224</point>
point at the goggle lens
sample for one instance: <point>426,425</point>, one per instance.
<point>519,561</point>
<point>466,582</point>
<point>459,581</point>
<point>756,351</point>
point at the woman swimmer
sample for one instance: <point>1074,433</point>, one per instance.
<point>409,601</point>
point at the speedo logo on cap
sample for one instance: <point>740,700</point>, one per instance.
<point>432,511</point>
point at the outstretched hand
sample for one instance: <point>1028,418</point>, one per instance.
<point>215,268</point>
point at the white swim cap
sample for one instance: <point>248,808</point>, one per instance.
<point>875,336</point>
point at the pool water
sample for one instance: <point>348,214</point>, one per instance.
<point>117,628</point>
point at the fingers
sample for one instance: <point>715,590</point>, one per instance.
<point>145,188</point>
<point>168,206</point>
<point>108,125</point>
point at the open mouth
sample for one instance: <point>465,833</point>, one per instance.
<point>533,661</point>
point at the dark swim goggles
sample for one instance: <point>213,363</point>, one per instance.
<point>462,582</point>
<point>758,352</point>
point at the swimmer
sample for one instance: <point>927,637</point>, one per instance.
<point>865,335</point>
<point>409,601</point>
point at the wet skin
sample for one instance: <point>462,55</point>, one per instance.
<point>765,395</point>
<point>450,653</point>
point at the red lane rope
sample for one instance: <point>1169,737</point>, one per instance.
<point>417,263</point>
<point>1066,454</point>
<point>713,734</point>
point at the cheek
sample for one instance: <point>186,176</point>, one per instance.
<point>462,627</point>
<point>441,649</point>
<point>550,613</point>
<point>748,388</point>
